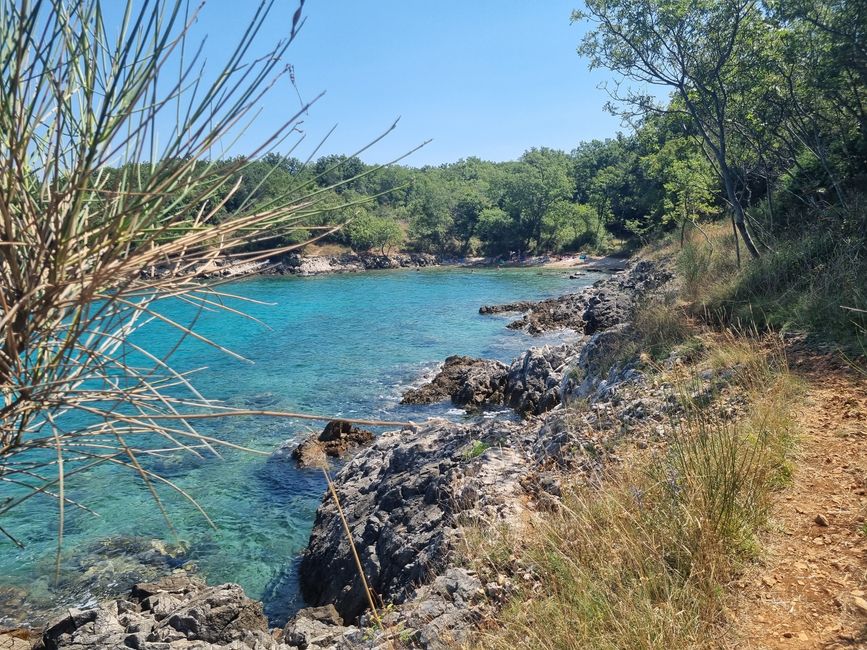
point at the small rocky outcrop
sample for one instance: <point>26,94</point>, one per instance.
<point>16,639</point>
<point>402,497</point>
<point>466,381</point>
<point>297,264</point>
<point>600,306</point>
<point>565,312</point>
<point>521,305</point>
<point>533,381</point>
<point>103,569</point>
<point>530,385</point>
<point>321,627</point>
<point>337,438</point>
<point>598,364</point>
<point>442,614</point>
<point>177,612</point>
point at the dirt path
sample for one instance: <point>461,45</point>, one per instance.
<point>810,591</point>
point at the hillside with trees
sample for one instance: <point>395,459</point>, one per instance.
<point>757,115</point>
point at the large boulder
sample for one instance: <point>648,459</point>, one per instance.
<point>467,381</point>
<point>533,381</point>
<point>177,612</point>
<point>402,497</point>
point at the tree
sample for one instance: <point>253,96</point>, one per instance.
<point>566,225</point>
<point>340,172</point>
<point>369,231</point>
<point>432,222</point>
<point>540,179</point>
<point>498,231</point>
<point>688,180</point>
<point>465,216</point>
<point>700,50</point>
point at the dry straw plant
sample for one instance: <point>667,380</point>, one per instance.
<point>647,559</point>
<point>87,257</point>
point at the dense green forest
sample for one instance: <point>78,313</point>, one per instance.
<point>548,201</point>
<point>757,115</point>
<point>764,119</point>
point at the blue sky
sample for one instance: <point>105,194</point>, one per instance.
<point>479,77</point>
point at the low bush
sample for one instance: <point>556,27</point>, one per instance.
<point>815,282</point>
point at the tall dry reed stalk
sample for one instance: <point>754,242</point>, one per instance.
<point>89,257</point>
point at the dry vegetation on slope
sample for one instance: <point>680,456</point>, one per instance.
<point>743,526</point>
<point>642,560</point>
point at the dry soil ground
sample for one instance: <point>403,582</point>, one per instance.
<point>810,590</point>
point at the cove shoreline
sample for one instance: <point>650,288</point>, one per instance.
<point>295,264</point>
<point>493,479</point>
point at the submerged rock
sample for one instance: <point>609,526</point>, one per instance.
<point>103,569</point>
<point>337,438</point>
<point>467,381</point>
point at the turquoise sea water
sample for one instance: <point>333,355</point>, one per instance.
<point>343,345</point>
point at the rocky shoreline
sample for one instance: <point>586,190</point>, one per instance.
<point>310,265</point>
<point>408,495</point>
<point>304,265</point>
<point>606,303</point>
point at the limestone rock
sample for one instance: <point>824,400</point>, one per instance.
<point>465,380</point>
<point>606,303</point>
<point>402,496</point>
<point>297,264</point>
<point>337,438</point>
<point>16,640</point>
<point>533,382</point>
<point>320,627</point>
<point>177,612</point>
<point>443,613</point>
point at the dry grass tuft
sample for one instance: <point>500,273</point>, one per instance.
<point>643,560</point>
<point>812,282</point>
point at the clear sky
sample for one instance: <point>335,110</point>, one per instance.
<point>480,78</point>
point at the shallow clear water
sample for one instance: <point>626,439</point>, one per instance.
<point>345,345</point>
